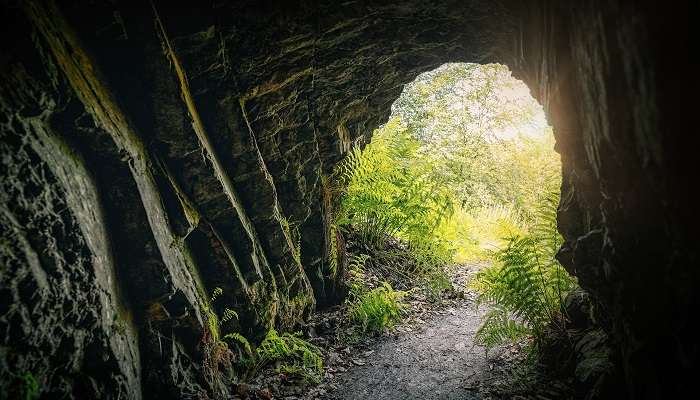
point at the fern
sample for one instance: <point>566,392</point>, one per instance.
<point>378,309</point>
<point>356,279</point>
<point>215,294</point>
<point>296,356</point>
<point>387,193</point>
<point>229,314</point>
<point>526,285</point>
<point>240,339</point>
<point>498,327</point>
<point>333,250</point>
<point>373,309</point>
<point>215,322</point>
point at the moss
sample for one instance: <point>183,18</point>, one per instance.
<point>30,386</point>
<point>293,309</point>
<point>123,319</point>
<point>265,302</point>
<point>188,208</point>
<point>212,323</point>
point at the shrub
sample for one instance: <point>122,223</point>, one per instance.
<point>526,285</point>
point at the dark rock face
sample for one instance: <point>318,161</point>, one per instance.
<point>612,78</point>
<point>153,154</point>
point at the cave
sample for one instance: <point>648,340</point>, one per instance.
<point>154,152</point>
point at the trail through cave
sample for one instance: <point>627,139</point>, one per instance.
<point>435,358</point>
<point>154,153</point>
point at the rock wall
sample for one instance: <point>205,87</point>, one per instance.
<point>614,79</point>
<point>153,153</point>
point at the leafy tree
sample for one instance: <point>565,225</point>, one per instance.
<point>470,120</point>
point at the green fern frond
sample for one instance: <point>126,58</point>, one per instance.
<point>333,250</point>
<point>215,294</point>
<point>526,285</point>
<point>296,355</point>
<point>240,339</point>
<point>499,327</point>
<point>228,315</point>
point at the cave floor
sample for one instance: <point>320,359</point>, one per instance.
<point>430,356</point>
<point>435,360</point>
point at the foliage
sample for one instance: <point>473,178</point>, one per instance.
<point>374,309</point>
<point>437,282</point>
<point>297,356</point>
<point>377,309</point>
<point>527,285</point>
<point>235,337</point>
<point>210,314</point>
<point>477,233</point>
<point>458,173</point>
<point>228,315</point>
<point>218,346</point>
<point>30,386</point>
<point>333,250</point>
<point>472,121</point>
<point>356,268</point>
<point>387,194</point>
<point>457,168</point>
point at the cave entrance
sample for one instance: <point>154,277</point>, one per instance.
<point>466,159</point>
<point>456,194</point>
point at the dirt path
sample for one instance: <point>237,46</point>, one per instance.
<point>430,355</point>
<point>431,359</point>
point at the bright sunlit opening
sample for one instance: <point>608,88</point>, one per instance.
<point>464,174</point>
<point>478,134</point>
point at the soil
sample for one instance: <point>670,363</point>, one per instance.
<point>436,361</point>
<point>430,355</point>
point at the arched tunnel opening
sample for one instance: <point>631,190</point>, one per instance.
<point>166,189</point>
<point>448,220</point>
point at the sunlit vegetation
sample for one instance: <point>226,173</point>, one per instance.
<point>374,310</point>
<point>526,286</point>
<point>463,171</point>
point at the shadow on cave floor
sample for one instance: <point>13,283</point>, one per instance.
<point>431,355</point>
